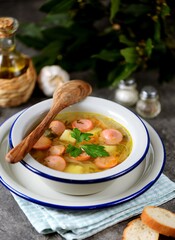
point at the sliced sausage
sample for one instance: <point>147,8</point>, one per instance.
<point>57,127</point>
<point>56,150</point>
<point>111,136</point>
<point>55,162</point>
<point>84,125</point>
<point>43,143</point>
<point>106,162</point>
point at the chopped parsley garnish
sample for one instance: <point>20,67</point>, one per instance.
<point>93,150</point>
<point>74,151</point>
<point>79,136</point>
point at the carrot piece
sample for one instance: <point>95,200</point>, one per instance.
<point>43,143</point>
<point>82,157</point>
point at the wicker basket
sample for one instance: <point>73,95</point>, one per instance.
<point>17,90</point>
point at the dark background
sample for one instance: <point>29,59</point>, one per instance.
<point>23,11</point>
<point>13,224</point>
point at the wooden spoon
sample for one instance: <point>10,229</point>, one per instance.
<point>70,93</point>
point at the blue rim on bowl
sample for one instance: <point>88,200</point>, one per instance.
<point>88,106</point>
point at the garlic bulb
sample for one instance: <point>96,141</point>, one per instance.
<point>51,77</point>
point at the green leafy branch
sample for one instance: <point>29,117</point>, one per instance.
<point>114,39</point>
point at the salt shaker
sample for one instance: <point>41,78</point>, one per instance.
<point>148,106</point>
<point>126,94</point>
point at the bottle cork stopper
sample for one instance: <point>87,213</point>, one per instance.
<point>6,22</point>
<point>8,26</point>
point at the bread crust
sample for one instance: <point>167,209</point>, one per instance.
<point>129,226</point>
<point>156,225</point>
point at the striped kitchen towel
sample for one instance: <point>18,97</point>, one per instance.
<point>80,224</point>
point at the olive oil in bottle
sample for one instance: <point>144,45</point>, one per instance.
<point>12,62</point>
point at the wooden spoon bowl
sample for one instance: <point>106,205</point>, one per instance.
<point>70,93</point>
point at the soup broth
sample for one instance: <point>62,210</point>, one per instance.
<point>81,142</point>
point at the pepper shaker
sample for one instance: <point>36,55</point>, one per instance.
<point>126,94</point>
<point>148,106</point>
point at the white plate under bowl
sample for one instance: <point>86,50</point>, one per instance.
<point>28,185</point>
<point>139,134</point>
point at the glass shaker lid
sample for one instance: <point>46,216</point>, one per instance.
<point>127,83</point>
<point>148,92</point>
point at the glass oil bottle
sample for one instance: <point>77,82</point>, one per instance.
<point>17,73</point>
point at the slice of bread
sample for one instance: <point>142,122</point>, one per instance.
<point>159,219</point>
<point>137,230</point>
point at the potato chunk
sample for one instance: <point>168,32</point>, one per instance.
<point>66,136</point>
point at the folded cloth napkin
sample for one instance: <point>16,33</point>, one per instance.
<point>76,224</point>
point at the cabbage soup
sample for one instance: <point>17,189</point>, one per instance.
<point>81,142</point>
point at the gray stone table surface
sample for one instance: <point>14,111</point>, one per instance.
<point>13,223</point>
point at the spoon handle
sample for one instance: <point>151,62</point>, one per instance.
<point>17,153</point>
<point>70,93</point>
